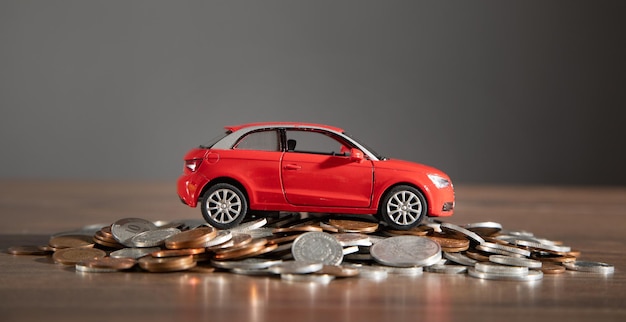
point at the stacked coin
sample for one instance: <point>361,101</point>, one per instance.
<point>303,248</point>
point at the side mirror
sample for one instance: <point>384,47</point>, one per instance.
<point>356,155</point>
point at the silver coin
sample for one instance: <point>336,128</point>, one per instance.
<point>446,269</point>
<point>460,259</point>
<point>251,271</point>
<point>405,251</point>
<point>499,251</point>
<point>125,229</point>
<point>309,278</point>
<point>248,263</point>
<point>515,261</point>
<point>403,271</point>
<point>296,267</point>
<point>350,250</point>
<point>592,267</point>
<point>469,234</point>
<point>533,275</point>
<point>359,257</point>
<point>317,247</point>
<point>489,267</point>
<point>372,272</point>
<point>552,248</point>
<point>260,232</point>
<point>222,237</point>
<point>509,249</point>
<point>250,225</point>
<point>133,252</point>
<point>353,239</point>
<point>153,238</point>
<point>487,228</point>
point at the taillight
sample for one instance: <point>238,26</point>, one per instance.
<point>193,164</point>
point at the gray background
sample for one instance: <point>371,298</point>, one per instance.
<point>488,91</point>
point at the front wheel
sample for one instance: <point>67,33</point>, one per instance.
<point>403,207</point>
<point>224,206</point>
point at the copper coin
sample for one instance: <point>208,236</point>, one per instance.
<point>238,240</point>
<point>71,256</point>
<point>193,238</point>
<point>27,250</point>
<point>106,232</point>
<point>353,226</point>
<point>477,255</point>
<point>447,240</point>
<point>549,268</point>
<point>296,229</point>
<point>454,249</point>
<point>168,264</point>
<point>338,271</point>
<point>71,241</point>
<point>106,243</point>
<point>202,269</point>
<point>282,240</point>
<point>415,231</point>
<point>550,257</point>
<point>110,262</point>
<point>573,252</point>
<point>243,251</point>
<point>177,252</point>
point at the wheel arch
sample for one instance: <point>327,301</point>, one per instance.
<point>228,180</point>
<point>422,189</point>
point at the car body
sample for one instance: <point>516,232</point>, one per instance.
<point>306,167</point>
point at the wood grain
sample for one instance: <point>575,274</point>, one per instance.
<point>32,288</point>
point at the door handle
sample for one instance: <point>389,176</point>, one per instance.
<point>292,166</point>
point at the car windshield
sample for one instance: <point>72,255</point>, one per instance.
<point>211,142</point>
<point>378,155</point>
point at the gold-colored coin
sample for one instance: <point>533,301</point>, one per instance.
<point>202,269</point>
<point>71,256</point>
<point>71,241</point>
<point>28,250</point>
<point>353,226</point>
<point>110,262</point>
<point>193,238</point>
<point>167,264</point>
<point>177,252</point>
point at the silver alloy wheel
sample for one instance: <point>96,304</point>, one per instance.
<point>224,206</point>
<point>404,207</point>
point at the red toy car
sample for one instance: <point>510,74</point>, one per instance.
<point>303,167</point>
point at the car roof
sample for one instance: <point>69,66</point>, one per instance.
<point>234,128</point>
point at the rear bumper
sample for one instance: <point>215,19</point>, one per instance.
<point>189,188</point>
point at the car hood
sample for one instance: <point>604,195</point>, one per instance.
<point>401,165</point>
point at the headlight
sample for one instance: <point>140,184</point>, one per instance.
<point>439,181</point>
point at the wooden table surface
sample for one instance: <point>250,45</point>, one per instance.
<point>592,220</point>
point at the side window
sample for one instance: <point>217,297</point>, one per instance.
<point>311,141</point>
<point>260,140</point>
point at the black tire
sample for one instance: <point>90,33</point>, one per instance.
<point>224,206</point>
<point>403,207</point>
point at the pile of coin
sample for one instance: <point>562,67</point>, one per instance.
<point>314,248</point>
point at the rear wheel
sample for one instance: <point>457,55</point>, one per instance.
<point>403,207</point>
<point>224,206</point>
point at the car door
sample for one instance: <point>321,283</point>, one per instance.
<point>317,171</point>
